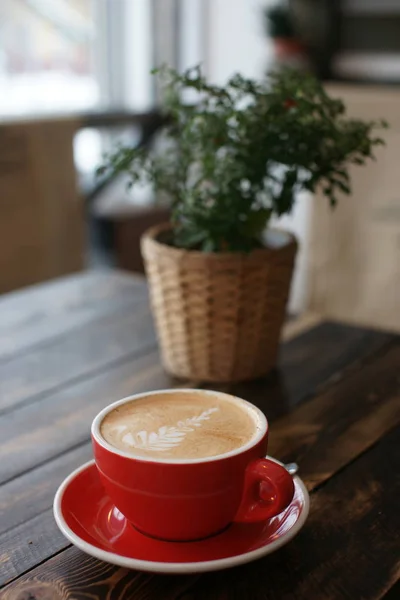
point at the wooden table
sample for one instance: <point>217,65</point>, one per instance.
<point>69,348</point>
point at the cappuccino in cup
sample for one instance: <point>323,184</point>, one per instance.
<point>183,464</point>
<point>180,425</point>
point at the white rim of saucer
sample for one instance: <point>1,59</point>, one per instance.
<point>259,418</point>
<point>174,567</point>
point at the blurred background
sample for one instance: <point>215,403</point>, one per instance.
<point>75,79</point>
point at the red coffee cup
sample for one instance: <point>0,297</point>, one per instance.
<point>183,500</point>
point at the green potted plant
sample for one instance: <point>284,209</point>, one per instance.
<point>219,277</point>
<point>280,28</point>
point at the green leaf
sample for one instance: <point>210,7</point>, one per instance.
<point>239,154</point>
<point>256,222</point>
<point>209,245</point>
<point>190,238</point>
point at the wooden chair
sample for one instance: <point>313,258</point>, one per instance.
<point>41,218</point>
<point>42,213</point>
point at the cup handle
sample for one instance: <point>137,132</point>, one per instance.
<point>268,490</point>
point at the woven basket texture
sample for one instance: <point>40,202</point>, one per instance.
<point>218,315</point>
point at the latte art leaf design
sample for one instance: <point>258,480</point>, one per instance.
<point>166,437</point>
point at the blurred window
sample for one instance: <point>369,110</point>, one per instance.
<point>47,56</point>
<point>67,56</point>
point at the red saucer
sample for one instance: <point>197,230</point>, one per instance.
<point>88,518</point>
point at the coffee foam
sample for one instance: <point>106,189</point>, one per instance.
<point>180,425</point>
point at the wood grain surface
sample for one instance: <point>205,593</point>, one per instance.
<point>349,548</point>
<point>61,307</point>
<point>333,405</point>
<point>70,411</point>
<point>77,354</point>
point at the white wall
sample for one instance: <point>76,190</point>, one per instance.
<point>138,92</point>
<point>299,222</point>
<point>237,42</point>
<point>236,38</point>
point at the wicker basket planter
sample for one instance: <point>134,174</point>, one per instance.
<point>218,316</point>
